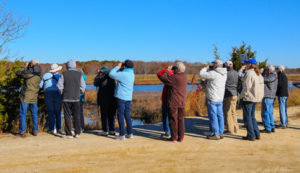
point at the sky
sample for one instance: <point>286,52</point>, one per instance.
<point>157,30</point>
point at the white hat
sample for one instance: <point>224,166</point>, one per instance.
<point>55,68</point>
<point>229,63</point>
<point>34,61</point>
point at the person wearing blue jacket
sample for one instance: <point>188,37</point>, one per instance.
<point>52,98</point>
<point>124,75</point>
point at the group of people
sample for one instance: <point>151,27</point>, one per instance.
<point>224,88</point>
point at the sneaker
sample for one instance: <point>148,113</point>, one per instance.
<point>60,132</point>
<point>249,139</point>
<point>257,137</point>
<point>180,140</point>
<point>34,133</point>
<point>104,134</point>
<point>130,136</point>
<point>68,136</point>
<point>77,136</point>
<point>167,135</point>
<point>121,138</point>
<point>213,137</point>
<point>273,130</point>
<point>23,135</point>
<point>265,131</point>
<point>54,131</point>
<point>221,136</point>
<point>174,141</point>
<point>113,133</point>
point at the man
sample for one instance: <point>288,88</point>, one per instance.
<point>71,85</point>
<point>176,99</point>
<point>31,73</point>
<point>270,88</point>
<point>52,98</point>
<point>215,90</point>
<point>124,74</point>
<point>282,94</point>
<point>230,99</point>
<point>106,100</point>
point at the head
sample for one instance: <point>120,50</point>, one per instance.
<point>229,65</point>
<point>128,64</point>
<point>33,62</point>
<point>250,62</point>
<point>105,70</point>
<point>280,68</point>
<point>71,64</point>
<point>217,64</point>
<point>55,68</point>
<point>271,68</point>
<point>180,67</point>
<point>37,70</point>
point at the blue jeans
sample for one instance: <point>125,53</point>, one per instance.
<point>23,114</point>
<point>283,110</point>
<point>54,105</point>
<point>267,113</point>
<point>249,111</point>
<point>216,118</point>
<point>165,117</point>
<point>124,112</point>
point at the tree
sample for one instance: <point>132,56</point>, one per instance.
<point>11,27</point>
<point>216,52</point>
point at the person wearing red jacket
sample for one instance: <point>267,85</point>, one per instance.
<point>164,106</point>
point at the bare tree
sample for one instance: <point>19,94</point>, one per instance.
<point>11,27</point>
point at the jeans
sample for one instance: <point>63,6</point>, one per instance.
<point>54,105</point>
<point>283,110</point>
<point>23,114</point>
<point>251,123</point>
<point>215,115</point>
<point>267,113</point>
<point>72,112</point>
<point>165,117</point>
<point>124,112</point>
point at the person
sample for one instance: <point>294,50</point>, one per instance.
<point>31,73</point>
<point>106,100</point>
<point>71,85</point>
<point>252,93</point>
<point>52,98</point>
<point>164,107</point>
<point>215,90</point>
<point>82,101</point>
<point>124,74</point>
<point>282,94</point>
<point>270,88</point>
<point>230,99</point>
<point>176,99</point>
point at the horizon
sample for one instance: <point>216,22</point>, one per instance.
<point>157,30</point>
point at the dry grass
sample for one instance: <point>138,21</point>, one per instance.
<point>293,77</point>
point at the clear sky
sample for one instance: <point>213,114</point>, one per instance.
<point>157,30</point>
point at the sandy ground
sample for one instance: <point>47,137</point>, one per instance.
<point>276,152</point>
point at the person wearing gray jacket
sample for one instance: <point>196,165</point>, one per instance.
<point>270,89</point>
<point>230,99</point>
<point>71,85</point>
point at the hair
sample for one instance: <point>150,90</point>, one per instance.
<point>281,68</point>
<point>271,68</point>
<point>180,66</point>
<point>256,69</point>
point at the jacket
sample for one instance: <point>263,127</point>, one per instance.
<point>106,88</point>
<point>216,80</point>
<point>231,83</point>
<point>49,82</point>
<point>253,87</point>
<point>30,88</point>
<point>283,85</point>
<point>177,84</point>
<point>82,96</point>
<point>164,94</point>
<point>271,84</point>
<point>125,82</point>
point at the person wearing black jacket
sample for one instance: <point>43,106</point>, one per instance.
<point>282,94</point>
<point>106,100</point>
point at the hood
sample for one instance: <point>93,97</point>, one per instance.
<point>222,71</point>
<point>71,64</point>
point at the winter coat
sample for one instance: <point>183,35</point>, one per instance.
<point>271,84</point>
<point>253,87</point>
<point>106,88</point>
<point>231,83</point>
<point>177,84</point>
<point>164,94</point>
<point>283,85</point>
<point>216,80</point>
<point>125,78</point>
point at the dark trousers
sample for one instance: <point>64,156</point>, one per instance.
<point>251,123</point>
<point>176,122</point>
<point>124,112</point>
<point>72,109</point>
<point>108,113</point>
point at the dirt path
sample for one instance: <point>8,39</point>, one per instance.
<point>278,152</point>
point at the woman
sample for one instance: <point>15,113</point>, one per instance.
<point>252,93</point>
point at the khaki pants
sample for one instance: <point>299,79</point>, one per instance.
<point>229,111</point>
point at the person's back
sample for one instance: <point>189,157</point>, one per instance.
<point>106,87</point>
<point>177,91</point>
<point>49,82</point>
<point>253,87</point>
<point>282,89</point>
<point>271,84</point>
<point>216,84</point>
<point>231,83</point>
<point>71,90</point>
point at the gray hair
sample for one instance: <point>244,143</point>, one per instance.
<point>180,66</point>
<point>219,63</point>
<point>34,61</point>
<point>271,68</point>
<point>281,68</point>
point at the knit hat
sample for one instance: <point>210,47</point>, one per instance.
<point>105,69</point>
<point>128,63</point>
<point>71,64</point>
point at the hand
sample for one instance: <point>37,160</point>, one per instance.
<point>243,67</point>
<point>120,65</point>
<point>170,68</point>
<point>97,70</point>
<point>261,70</point>
<point>207,67</point>
<point>26,64</point>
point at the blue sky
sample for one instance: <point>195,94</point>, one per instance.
<point>157,30</point>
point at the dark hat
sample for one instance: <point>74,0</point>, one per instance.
<point>128,63</point>
<point>105,69</point>
<point>37,70</point>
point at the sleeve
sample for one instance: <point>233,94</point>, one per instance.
<point>116,75</point>
<point>167,79</point>
<point>241,74</point>
<point>82,85</point>
<point>204,74</point>
<point>60,84</point>
<point>42,83</point>
<point>161,72</point>
<point>247,84</point>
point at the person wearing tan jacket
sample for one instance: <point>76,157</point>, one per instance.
<point>252,93</point>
